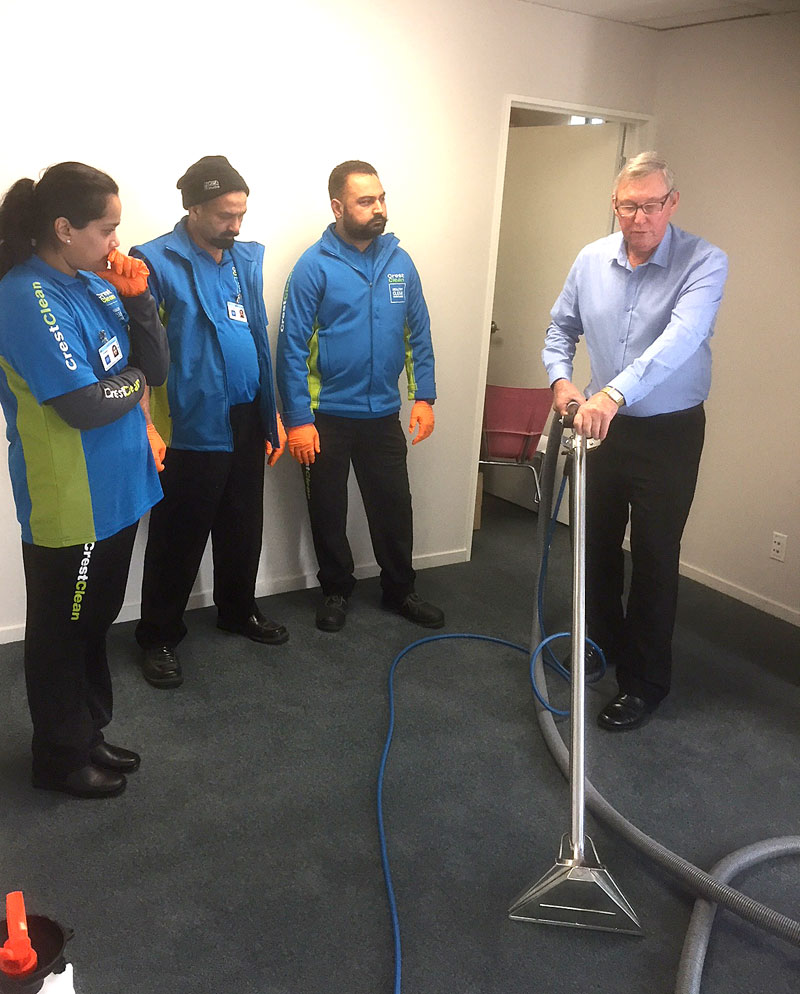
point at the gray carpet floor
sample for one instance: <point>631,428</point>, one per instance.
<point>244,854</point>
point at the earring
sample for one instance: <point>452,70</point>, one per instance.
<point>69,241</point>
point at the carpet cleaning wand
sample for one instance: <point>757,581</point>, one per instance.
<point>578,890</point>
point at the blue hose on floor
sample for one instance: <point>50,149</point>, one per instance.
<point>387,873</point>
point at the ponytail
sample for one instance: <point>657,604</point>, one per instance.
<point>69,189</point>
<point>17,223</point>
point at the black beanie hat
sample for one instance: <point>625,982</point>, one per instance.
<point>210,177</point>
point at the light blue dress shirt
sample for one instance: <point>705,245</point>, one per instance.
<point>647,328</point>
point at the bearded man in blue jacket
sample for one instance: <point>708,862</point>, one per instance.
<point>353,318</point>
<point>217,415</point>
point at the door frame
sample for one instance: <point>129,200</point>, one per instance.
<point>638,129</point>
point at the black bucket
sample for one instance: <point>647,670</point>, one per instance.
<point>48,938</point>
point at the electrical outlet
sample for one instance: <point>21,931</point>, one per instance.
<point>778,550</point>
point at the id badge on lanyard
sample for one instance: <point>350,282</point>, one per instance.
<point>110,353</point>
<point>236,311</point>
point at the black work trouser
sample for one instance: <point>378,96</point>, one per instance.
<point>73,596</point>
<point>646,469</point>
<point>220,494</point>
<point>377,449</point>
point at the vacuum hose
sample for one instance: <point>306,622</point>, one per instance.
<point>711,887</point>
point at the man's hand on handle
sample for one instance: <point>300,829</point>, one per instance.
<point>593,415</point>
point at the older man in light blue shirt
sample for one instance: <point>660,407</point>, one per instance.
<point>645,299</point>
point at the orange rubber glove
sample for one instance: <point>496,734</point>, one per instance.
<point>158,445</point>
<point>303,443</point>
<point>126,274</point>
<point>422,415</point>
<point>273,455</point>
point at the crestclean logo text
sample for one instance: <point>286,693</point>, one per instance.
<point>52,325</point>
<point>82,581</point>
<point>121,392</point>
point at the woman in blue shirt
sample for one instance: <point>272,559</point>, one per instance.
<point>74,363</point>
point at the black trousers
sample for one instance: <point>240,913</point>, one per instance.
<point>73,596</point>
<point>220,494</point>
<point>646,469</point>
<point>377,449</point>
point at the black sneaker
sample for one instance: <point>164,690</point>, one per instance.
<point>332,613</point>
<point>417,610</point>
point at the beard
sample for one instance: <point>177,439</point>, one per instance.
<point>223,242</point>
<point>361,232</point>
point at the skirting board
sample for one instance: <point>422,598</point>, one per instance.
<point>774,608</point>
<point>750,597</point>
<point>264,588</point>
<point>130,611</point>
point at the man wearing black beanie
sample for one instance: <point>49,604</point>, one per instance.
<point>216,414</point>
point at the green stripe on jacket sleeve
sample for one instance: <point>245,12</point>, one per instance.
<point>412,383</point>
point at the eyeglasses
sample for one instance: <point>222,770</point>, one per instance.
<point>629,210</point>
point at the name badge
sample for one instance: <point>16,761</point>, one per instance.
<point>236,312</point>
<point>110,353</point>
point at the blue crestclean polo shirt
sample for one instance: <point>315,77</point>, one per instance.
<point>57,334</point>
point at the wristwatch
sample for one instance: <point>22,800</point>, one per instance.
<point>614,394</point>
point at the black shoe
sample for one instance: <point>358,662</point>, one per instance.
<point>332,613</point>
<point>161,668</point>
<point>624,713</point>
<point>109,757</point>
<point>592,663</point>
<point>257,629</point>
<point>417,610</point>
<point>89,781</point>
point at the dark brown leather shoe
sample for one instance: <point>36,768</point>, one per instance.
<point>109,757</point>
<point>161,668</point>
<point>625,713</point>
<point>89,781</point>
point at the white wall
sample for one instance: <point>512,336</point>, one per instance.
<point>421,91</point>
<point>728,119</point>
<point>286,93</point>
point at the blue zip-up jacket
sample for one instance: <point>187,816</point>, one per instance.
<point>191,410</point>
<point>345,338</point>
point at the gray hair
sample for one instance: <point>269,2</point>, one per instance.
<point>642,165</point>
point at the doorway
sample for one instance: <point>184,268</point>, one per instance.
<point>559,167</point>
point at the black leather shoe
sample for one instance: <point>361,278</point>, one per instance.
<point>592,663</point>
<point>332,613</point>
<point>89,781</point>
<point>257,629</point>
<point>417,610</point>
<point>624,713</point>
<point>109,757</point>
<point>161,668</point>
